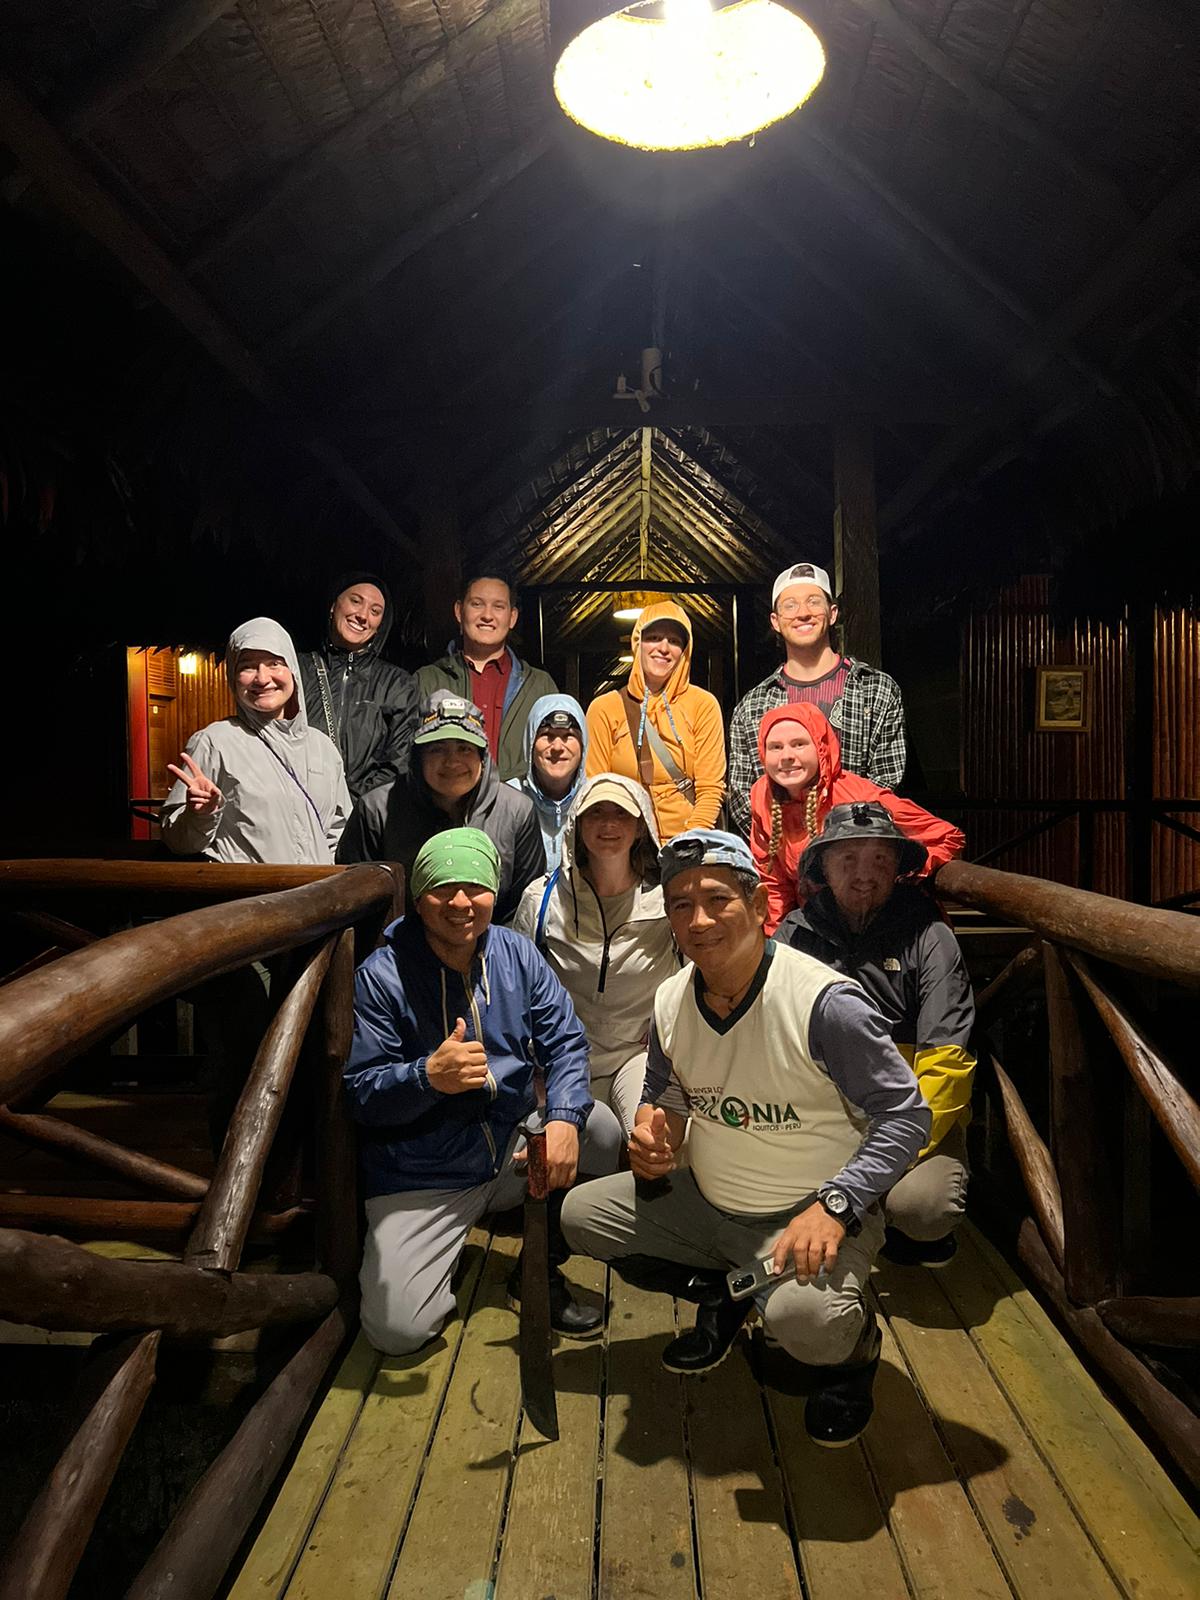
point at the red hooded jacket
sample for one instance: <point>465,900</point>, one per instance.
<point>781,871</point>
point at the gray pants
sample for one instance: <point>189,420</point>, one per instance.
<point>929,1201</point>
<point>817,1322</point>
<point>414,1240</point>
<point>622,1090</point>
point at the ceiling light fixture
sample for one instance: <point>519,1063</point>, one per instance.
<point>678,75</point>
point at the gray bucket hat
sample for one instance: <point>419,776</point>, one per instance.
<point>862,819</point>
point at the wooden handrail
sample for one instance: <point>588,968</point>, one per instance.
<point>79,1144</point>
<point>1162,944</point>
<point>50,1283</point>
<point>224,1219</point>
<point>199,880</point>
<point>50,1016</point>
<point>1176,1112</point>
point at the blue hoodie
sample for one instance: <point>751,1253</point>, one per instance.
<point>551,814</point>
<point>405,1005</point>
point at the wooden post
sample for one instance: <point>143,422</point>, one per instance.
<point>1037,1170</point>
<point>441,558</point>
<point>41,1560</point>
<point>1139,752</point>
<point>224,1220</point>
<point>1091,1233</point>
<point>336,1160</point>
<point>207,1529</point>
<point>572,684</point>
<point>855,538</point>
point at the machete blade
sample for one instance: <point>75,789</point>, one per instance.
<point>537,1379</point>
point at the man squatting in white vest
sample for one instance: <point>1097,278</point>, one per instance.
<point>802,1115</point>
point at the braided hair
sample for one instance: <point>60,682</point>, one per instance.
<point>812,806</point>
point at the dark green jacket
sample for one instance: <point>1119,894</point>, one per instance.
<point>525,685</point>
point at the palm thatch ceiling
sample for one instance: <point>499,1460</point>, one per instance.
<point>983,234</point>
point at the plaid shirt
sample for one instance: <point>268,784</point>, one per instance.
<point>869,722</point>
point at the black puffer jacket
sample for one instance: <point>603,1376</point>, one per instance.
<point>392,823</point>
<point>367,706</point>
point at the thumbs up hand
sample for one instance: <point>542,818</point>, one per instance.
<point>650,1152</point>
<point>457,1064</point>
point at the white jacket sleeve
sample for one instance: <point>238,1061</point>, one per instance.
<point>185,831</point>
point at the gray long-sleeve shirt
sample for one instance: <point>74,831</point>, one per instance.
<point>850,1038</point>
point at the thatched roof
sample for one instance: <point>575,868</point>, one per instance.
<point>376,227</point>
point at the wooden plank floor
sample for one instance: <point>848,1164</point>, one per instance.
<point>993,1467</point>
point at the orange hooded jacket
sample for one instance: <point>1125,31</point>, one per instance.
<point>779,827</point>
<point>685,718</point>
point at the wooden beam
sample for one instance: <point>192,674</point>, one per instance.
<point>452,213</point>
<point>1033,1159</point>
<point>84,201</point>
<point>984,310</point>
<point>204,1534</point>
<point>335,1158</point>
<point>1161,944</point>
<point>442,66</point>
<point>992,107</point>
<point>224,1221</point>
<point>855,542</point>
<point>51,1016</point>
<point>1154,1319</point>
<point>81,1216</point>
<point>1175,215</point>
<point>105,82</point>
<point>1091,1231</point>
<point>78,1144</point>
<point>48,1283</point>
<point>41,1561</point>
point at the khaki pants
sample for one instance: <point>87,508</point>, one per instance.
<point>818,1323</point>
<point>929,1201</point>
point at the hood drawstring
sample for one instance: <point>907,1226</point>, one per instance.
<point>646,698</point>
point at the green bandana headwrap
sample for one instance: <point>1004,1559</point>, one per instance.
<point>459,855</point>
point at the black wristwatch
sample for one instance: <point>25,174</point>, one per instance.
<point>837,1203</point>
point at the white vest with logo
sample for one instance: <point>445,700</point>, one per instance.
<point>768,1125</point>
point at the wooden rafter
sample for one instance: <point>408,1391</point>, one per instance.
<point>372,272</point>
<point>983,309</point>
<point>442,66</point>
<point>1178,213</point>
<point>43,152</point>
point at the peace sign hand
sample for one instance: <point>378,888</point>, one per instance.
<point>203,796</point>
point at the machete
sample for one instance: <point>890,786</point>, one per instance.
<point>537,1380</point>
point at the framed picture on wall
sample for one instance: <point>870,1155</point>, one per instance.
<point>1064,699</point>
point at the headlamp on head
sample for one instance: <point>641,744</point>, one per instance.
<point>559,722</point>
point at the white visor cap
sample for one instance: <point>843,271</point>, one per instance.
<point>802,572</point>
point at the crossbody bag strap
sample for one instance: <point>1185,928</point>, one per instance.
<point>643,757</point>
<point>326,699</point>
<point>539,933</point>
<point>682,782</point>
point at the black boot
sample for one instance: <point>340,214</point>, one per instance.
<point>567,1315</point>
<point>718,1317</point>
<point>909,1252</point>
<point>841,1408</point>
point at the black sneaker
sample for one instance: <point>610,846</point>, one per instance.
<point>567,1315</point>
<point>905,1252</point>
<point>706,1345</point>
<point>841,1408</point>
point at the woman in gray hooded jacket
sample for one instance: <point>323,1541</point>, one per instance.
<point>600,922</point>
<point>261,786</point>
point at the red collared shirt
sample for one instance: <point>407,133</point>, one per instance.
<point>489,685</point>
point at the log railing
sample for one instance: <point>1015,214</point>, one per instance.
<point>1087,1178</point>
<point>50,1014</point>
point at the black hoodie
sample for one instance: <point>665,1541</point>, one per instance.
<point>367,706</point>
<point>392,823</point>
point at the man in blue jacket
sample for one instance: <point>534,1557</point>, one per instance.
<point>450,1014</point>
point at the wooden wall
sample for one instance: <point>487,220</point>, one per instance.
<point>1005,758</point>
<point>166,706</point>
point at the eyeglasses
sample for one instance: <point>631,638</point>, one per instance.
<point>789,608</point>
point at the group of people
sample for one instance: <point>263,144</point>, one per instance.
<point>740,1011</point>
